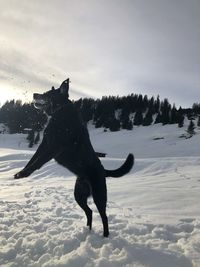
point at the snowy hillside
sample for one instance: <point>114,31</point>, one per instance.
<point>153,212</point>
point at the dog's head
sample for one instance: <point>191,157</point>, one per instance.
<point>52,99</point>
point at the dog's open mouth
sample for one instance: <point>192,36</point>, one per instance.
<point>39,103</point>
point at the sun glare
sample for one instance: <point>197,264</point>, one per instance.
<point>8,93</point>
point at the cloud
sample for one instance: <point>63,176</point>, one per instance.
<point>106,47</point>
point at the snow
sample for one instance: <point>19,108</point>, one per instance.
<point>153,212</point>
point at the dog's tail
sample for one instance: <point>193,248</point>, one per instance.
<point>124,169</point>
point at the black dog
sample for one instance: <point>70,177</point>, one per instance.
<point>66,139</point>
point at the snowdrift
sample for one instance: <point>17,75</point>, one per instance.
<point>153,212</point>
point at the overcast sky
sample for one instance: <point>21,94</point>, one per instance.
<point>106,47</point>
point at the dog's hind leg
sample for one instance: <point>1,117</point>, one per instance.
<point>99,193</point>
<point>81,193</point>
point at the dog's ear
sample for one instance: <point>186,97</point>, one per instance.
<point>52,88</point>
<point>64,88</point>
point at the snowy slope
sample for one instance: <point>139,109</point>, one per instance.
<point>153,212</point>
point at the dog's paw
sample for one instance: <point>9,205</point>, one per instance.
<point>18,175</point>
<point>21,174</point>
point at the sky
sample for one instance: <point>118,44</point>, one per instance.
<point>107,47</point>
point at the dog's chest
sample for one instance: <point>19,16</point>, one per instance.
<point>62,131</point>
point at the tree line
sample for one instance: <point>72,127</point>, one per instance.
<point>112,112</point>
<point>18,117</point>
<point>115,113</point>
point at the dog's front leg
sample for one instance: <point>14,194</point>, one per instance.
<point>37,154</point>
<point>41,156</point>
<point>36,165</point>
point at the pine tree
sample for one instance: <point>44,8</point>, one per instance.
<point>180,117</point>
<point>157,104</point>
<point>166,110</point>
<point>158,118</point>
<point>190,129</point>
<point>126,123</point>
<point>151,105</point>
<point>114,125</point>
<point>180,120</point>
<point>98,123</point>
<point>138,120</point>
<point>148,119</point>
<point>198,121</point>
<point>196,108</point>
<point>31,138</point>
<point>174,115</point>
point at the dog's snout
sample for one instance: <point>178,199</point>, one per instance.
<point>36,96</point>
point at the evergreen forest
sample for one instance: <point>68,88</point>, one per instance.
<point>112,113</point>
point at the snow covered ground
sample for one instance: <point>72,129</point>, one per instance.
<point>154,212</point>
